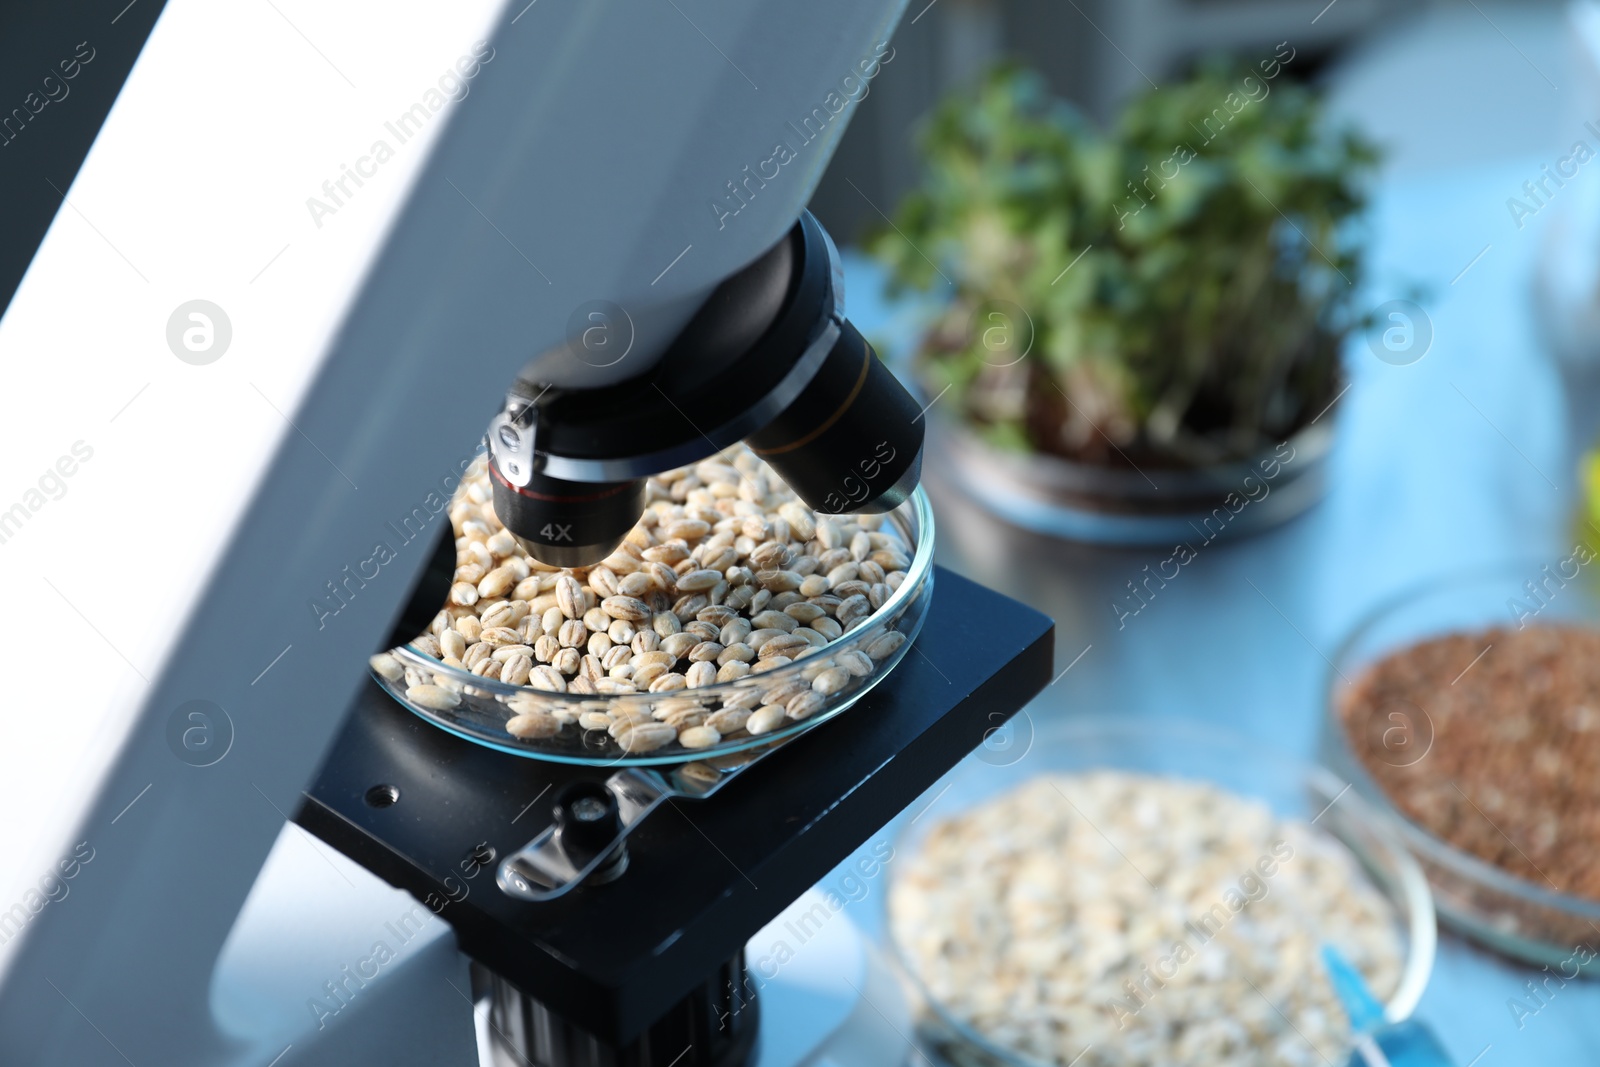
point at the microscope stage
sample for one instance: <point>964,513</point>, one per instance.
<point>702,875</point>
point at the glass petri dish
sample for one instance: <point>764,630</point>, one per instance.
<point>485,705</point>
<point>1179,749</point>
<point>1523,919</point>
<point>1096,504</point>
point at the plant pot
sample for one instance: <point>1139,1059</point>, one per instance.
<point>1104,505</point>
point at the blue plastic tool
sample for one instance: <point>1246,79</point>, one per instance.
<point>1378,1042</point>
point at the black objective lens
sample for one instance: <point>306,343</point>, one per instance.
<point>567,524</point>
<point>849,441</point>
<point>852,440</point>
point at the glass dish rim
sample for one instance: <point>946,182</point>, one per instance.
<point>918,577</point>
<point>1419,837</point>
<point>675,758</point>
<point>1420,926</point>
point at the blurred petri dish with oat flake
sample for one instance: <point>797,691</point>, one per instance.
<point>1140,892</point>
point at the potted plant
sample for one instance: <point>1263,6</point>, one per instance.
<point>1143,326</point>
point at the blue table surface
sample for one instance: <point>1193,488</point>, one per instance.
<point>1461,459</point>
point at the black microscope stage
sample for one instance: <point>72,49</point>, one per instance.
<point>433,814</point>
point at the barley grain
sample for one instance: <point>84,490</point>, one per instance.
<point>765,719</point>
<point>647,737</point>
<point>830,681</point>
<point>388,666</point>
<point>533,727</point>
<point>569,597</point>
<point>547,678</point>
<point>433,697</point>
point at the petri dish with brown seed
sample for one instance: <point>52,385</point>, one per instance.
<point>1468,710</point>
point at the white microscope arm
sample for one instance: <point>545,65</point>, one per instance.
<point>596,157</point>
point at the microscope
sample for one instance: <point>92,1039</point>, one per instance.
<point>768,358</point>
<point>605,258</point>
